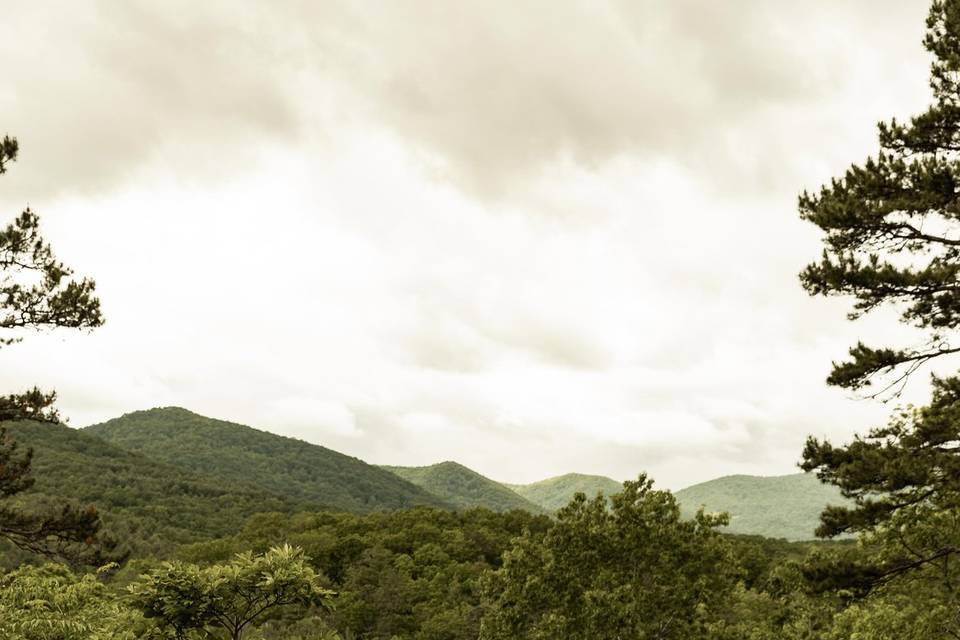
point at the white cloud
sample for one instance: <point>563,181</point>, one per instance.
<point>531,241</point>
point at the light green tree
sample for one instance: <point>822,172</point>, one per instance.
<point>182,600</point>
<point>52,603</point>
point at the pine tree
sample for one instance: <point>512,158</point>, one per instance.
<point>37,292</point>
<point>892,225</point>
<point>892,237</point>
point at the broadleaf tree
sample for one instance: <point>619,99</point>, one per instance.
<point>635,569</point>
<point>183,600</point>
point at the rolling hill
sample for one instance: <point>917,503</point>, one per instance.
<point>554,493</point>
<point>776,507</point>
<point>146,504</point>
<point>284,466</point>
<point>464,488</point>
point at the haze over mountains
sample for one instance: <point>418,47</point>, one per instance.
<point>554,493</point>
<point>465,488</point>
<point>166,470</point>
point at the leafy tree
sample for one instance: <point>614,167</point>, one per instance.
<point>36,292</point>
<point>221,601</point>
<point>635,570</point>
<point>892,224</point>
<point>52,603</point>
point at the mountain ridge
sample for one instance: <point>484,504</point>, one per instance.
<point>282,465</point>
<point>555,492</point>
<point>786,506</point>
<point>146,504</point>
<point>463,487</point>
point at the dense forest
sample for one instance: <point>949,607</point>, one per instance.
<point>166,524</point>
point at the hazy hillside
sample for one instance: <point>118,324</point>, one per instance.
<point>285,466</point>
<point>464,488</point>
<point>153,506</point>
<point>554,493</point>
<point>776,507</point>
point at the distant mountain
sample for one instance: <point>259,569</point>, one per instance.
<point>464,488</point>
<point>554,493</point>
<point>284,466</point>
<point>776,507</point>
<point>146,504</point>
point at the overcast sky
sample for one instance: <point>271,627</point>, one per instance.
<point>532,237</point>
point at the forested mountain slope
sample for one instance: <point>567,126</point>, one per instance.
<point>464,488</point>
<point>148,505</point>
<point>776,507</point>
<point>554,493</point>
<point>281,465</point>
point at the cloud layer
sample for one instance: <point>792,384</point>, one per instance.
<point>536,239</point>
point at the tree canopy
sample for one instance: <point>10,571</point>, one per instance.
<point>635,570</point>
<point>223,600</point>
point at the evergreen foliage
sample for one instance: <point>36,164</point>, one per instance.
<point>892,225</point>
<point>37,292</point>
<point>893,238</point>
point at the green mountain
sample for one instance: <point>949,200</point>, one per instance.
<point>463,487</point>
<point>554,493</point>
<point>148,505</point>
<point>240,454</point>
<point>775,507</point>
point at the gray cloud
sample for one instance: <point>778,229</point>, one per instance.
<point>499,91</point>
<point>491,94</point>
<point>96,90</point>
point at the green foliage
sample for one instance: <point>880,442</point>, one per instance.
<point>184,600</point>
<point>904,480</point>
<point>282,466</point>
<point>411,574</point>
<point>52,603</point>
<point>464,488</point>
<point>636,570</point>
<point>893,238</point>
<point>35,288</point>
<point>554,493</point>
<point>775,507</point>
<point>37,292</point>
<point>147,506</point>
<point>892,226</point>
<point>8,152</point>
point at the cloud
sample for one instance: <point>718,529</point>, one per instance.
<point>497,94</point>
<point>96,90</point>
<point>541,239</point>
<point>490,97</point>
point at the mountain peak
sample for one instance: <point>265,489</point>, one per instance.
<point>282,465</point>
